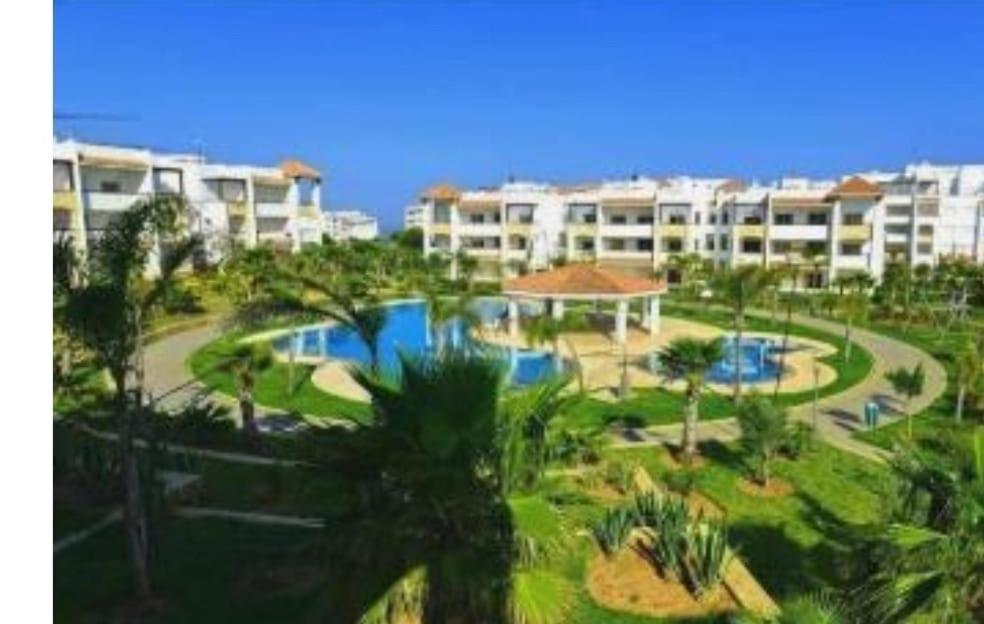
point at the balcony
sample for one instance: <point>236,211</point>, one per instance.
<point>65,201</point>
<point>519,228</point>
<point>855,232</point>
<point>575,230</point>
<point>440,228</point>
<point>276,210</point>
<point>625,254</point>
<point>627,230</point>
<point>799,232</point>
<point>110,202</point>
<point>479,229</point>
<point>673,230</point>
<point>749,231</point>
<point>482,252</point>
<point>236,208</point>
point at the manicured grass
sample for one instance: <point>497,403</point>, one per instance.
<point>646,406</point>
<point>793,544</point>
<point>271,385</point>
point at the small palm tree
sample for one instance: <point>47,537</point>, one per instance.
<point>969,374</point>
<point>738,288</point>
<point>690,359</point>
<point>763,432</point>
<point>908,383</point>
<point>456,312</point>
<point>247,361</point>
<point>853,308</point>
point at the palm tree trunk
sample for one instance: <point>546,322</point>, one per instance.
<point>739,323</point>
<point>908,418</point>
<point>290,362</point>
<point>134,516</point>
<point>247,411</point>
<point>690,426</point>
<point>961,395</point>
<point>765,471</point>
<point>847,340</point>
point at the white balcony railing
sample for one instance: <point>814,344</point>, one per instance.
<point>799,232</point>
<point>109,202</point>
<point>274,210</point>
<point>629,230</point>
<point>479,229</point>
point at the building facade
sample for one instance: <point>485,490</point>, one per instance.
<point>342,225</point>
<point>413,216</point>
<point>825,228</point>
<point>226,203</point>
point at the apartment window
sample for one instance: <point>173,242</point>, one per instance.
<point>62,176</point>
<point>724,243</point>
<point>644,244</point>
<point>676,219</point>
<point>585,244</point>
<point>697,218</point>
<point>696,245</point>
<point>709,242</point>
<point>781,247</point>
<point>476,218</point>
<point>517,243</point>
<point>724,218</point>
<point>816,248</point>
<point>929,210</point>
<point>442,213</point>
<point>853,219</point>
<point>168,181</point>
<point>924,249</point>
<point>898,210</point>
<point>783,218</point>
<point>817,218</point>
<point>616,244</point>
<point>617,220</point>
<point>898,230</point>
<point>814,280</point>
<point>646,219</point>
<point>673,245</point>
<point>925,230</point>
<point>713,218</point>
<point>751,245</point>
<point>850,249</point>
<point>753,220</point>
<point>232,190</point>
<point>110,186</point>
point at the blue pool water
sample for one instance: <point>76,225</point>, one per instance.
<point>406,331</point>
<point>757,361</point>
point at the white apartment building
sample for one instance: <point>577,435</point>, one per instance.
<point>413,216</point>
<point>250,204</point>
<point>341,225</point>
<point>827,228</point>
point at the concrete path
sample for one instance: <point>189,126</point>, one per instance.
<point>839,415</point>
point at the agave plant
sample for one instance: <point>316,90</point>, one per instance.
<point>668,546</point>
<point>613,529</point>
<point>706,557</point>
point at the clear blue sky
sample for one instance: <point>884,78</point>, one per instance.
<point>388,97</point>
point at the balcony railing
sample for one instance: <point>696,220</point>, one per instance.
<point>110,202</point>
<point>65,200</point>
<point>273,209</point>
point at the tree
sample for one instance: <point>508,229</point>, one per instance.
<point>466,267</point>
<point>410,238</point>
<point>249,359</point>
<point>968,364</point>
<point>788,271</point>
<point>455,311</point>
<point>739,287</point>
<point>690,359</point>
<point>853,308</point>
<point>763,432</point>
<point>910,385</point>
<point>450,464</point>
<point>107,312</point>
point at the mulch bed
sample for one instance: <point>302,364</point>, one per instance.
<point>777,488</point>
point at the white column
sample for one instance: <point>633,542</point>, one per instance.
<point>557,309</point>
<point>653,305</point>
<point>513,319</point>
<point>621,318</point>
<point>645,312</point>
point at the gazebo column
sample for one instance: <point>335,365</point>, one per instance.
<point>557,309</point>
<point>513,318</point>
<point>646,317</point>
<point>621,320</point>
<point>653,305</point>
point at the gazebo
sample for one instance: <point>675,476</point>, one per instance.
<point>586,282</point>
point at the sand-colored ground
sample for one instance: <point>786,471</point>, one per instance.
<point>601,359</point>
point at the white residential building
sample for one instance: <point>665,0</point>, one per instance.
<point>343,225</point>
<point>413,216</point>
<point>825,227</point>
<point>250,204</point>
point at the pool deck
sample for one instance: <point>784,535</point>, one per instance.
<point>601,360</point>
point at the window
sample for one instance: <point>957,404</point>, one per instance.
<point>925,230</point>
<point>585,244</point>
<point>899,210</point>
<point>853,219</point>
<point>751,245</point>
<point>644,244</point>
<point>850,249</point>
<point>476,218</point>
<point>781,247</point>
<point>753,220</point>
<point>924,249</point>
<point>616,244</point>
<point>724,218</point>
<point>617,220</point>
<point>709,242</point>
<point>724,243</point>
<point>814,280</point>
<point>696,245</point>
<point>898,230</point>
<point>110,186</point>
<point>783,218</point>
<point>697,218</point>
<point>713,218</point>
<point>645,219</point>
<point>62,176</point>
<point>676,219</point>
<point>590,218</point>
<point>817,218</point>
<point>673,245</point>
<point>816,248</point>
<point>518,243</point>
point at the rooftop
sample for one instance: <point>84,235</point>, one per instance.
<point>583,280</point>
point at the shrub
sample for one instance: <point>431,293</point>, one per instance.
<point>618,475</point>
<point>799,441</point>
<point>200,423</point>
<point>572,448</point>
<point>613,529</point>
<point>683,482</point>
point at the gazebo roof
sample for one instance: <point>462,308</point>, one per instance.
<point>583,281</point>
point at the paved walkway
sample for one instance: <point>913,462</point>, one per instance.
<point>839,415</point>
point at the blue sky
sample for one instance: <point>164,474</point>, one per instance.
<point>388,97</point>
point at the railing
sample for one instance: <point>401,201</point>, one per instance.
<point>799,232</point>
<point>273,209</point>
<point>65,200</point>
<point>110,202</point>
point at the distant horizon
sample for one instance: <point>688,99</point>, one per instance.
<point>389,98</point>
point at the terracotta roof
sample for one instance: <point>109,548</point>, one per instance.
<point>442,192</point>
<point>297,169</point>
<point>856,186</point>
<point>270,180</point>
<point>112,162</point>
<point>583,279</point>
<point>733,186</point>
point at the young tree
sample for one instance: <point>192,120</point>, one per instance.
<point>247,361</point>
<point>763,432</point>
<point>690,359</point>
<point>107,312</point>
<point>968,365</point>
<point>908,383</point>
<point>454,311</point>
<point>853,308</point>
<point>738,288</point>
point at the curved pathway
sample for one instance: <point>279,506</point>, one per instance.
<point>839,415</point>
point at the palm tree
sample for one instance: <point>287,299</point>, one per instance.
<point>107,313</point>
<point>456,311</point>
<point>763,431</point>
<point>853,308</point>
<point>788,270</point>
<point>910,385</point>
<point>450,465</point>
<point>739,287</point>
<point>248,360</point>
<point>545,329</point>
<point>968,364</point>
<point>690,359</point>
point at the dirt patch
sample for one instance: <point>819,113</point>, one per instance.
<point>628,582</point>
<point>673,459</point>
<point>776,488</point>
<point>704,506</point>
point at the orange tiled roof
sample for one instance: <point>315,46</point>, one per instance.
<point>583,279</point>
<point>856,186</point>
<point>733,186</point>
<point>297,169</point>
<point>442,192</point>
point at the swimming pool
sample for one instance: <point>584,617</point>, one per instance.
<point>406,330</point>
<point>758,362</point>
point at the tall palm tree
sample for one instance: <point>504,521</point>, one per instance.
<point>968,366</point>
<point>450,464</point>
<point>456,313</point>
<point>690,359</point>
<point>853,308</point>
<point>790,270</point>
<point>107,312</point>
<point>738,288</point>
<point>247,361</point>
<point>908,383</point>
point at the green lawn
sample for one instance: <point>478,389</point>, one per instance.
<point>271,385</point>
